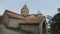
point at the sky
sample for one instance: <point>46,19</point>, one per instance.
<point>46,7</point>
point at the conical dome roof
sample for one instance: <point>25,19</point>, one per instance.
<point>25,7</point>
<point>39,12</point>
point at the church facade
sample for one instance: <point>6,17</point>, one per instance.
<point>30,22</point>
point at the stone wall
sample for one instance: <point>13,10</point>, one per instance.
<point>33,28</point>
<point>5,20</point>
<point>13,22</point>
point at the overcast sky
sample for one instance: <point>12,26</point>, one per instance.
<point>46,7</point>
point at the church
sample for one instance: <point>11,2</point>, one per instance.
<point>36,23</point>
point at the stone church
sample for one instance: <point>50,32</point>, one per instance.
<point>30,22</point>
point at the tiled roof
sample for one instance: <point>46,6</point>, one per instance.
<point>36,19</point>
<point>14,15</point>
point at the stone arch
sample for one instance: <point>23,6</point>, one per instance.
<point>43,27</point>
<point>44,30</point>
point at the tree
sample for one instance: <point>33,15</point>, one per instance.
<point>55,24</point>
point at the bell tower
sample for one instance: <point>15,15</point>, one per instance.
<point>24,10</point>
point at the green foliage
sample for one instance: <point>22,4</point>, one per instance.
<point>55,24</point>
<point>20,29</point>
<point>55,19</point>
